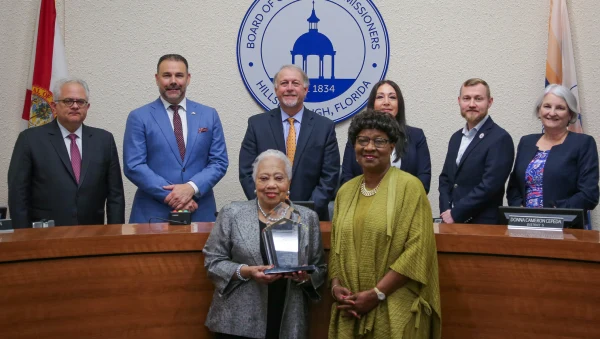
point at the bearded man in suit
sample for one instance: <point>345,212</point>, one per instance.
<point>307,138</point>
<point>173,150</point>
<point>478,161</point>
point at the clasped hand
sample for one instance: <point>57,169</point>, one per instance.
<point>447,217</point>
<point>355,305</point>
<point>180,197</point>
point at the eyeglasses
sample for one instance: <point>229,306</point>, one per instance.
<point>70,102</point>
<point>379,142</point>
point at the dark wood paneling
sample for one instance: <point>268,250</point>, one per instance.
<point>148,281</point>
<point>492,297</point>
<point>155,295</point>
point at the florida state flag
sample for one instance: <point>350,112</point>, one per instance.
<point>560,61</point>
<point>48,64</point>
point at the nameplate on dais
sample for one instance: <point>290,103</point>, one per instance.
<point>536,222</point>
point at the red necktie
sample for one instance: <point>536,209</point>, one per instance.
<point>75,157</point>
<point>178,130</point>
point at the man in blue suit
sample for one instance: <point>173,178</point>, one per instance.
<point>478,161</point>
<point>307,138</point>
<point>174,150</point>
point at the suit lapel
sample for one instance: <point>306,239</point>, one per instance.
<point>305,131</point>
<point>529,151</point>
<point>159,113</point>
<point>407,158</point>
<point>193,121</point>
<point>86,140</point>
<point>481,134</point>
<point>453,149</point>
<point>277,129</point>
<point>247,221</point>
<point>59,146</point>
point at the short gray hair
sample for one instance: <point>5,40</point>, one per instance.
<point>295,68</point>
<point>563,93</point>
<point>272,153</point>
<point>57,88</point>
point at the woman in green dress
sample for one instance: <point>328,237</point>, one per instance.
<point>383,263</point>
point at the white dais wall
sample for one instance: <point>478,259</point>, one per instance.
<point>435,45</point>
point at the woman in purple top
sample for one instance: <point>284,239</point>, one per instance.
<point>534,180</point>
<point>557,168</point>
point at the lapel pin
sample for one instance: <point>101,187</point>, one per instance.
<point>202,130</point>
<point>481,136</point>
<point>193,113</point>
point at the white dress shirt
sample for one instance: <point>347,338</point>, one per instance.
<point>398,163</point>
<point>468,137</point>
<point>65,134</point>
<point>286,124</point>
<point>182,113</point>
<point>184,128</point>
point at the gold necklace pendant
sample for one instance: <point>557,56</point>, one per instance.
<point>369,193</point>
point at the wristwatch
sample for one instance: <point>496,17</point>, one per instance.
<point>380,295</point>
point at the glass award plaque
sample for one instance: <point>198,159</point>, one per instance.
<point>286,241</point>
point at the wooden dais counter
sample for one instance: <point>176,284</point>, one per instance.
<point>149,281</point>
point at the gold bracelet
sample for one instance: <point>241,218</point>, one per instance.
<point>332,294</point>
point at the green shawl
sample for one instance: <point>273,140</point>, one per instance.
<point>398,235</point>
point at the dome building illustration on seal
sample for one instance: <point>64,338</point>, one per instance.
<point>344,51</point>
<point>314,43</point>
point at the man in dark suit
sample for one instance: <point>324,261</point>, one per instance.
<point>478,161</point>
<point>306,137</point>
<point>66,171</point>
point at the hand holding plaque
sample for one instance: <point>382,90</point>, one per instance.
<point>286,241</point>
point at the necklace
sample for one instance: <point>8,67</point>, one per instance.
<point>369,193</point>
<point>270,218</point>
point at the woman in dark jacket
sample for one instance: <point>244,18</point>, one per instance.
<point>414,156</point>
<point>557,168</point>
